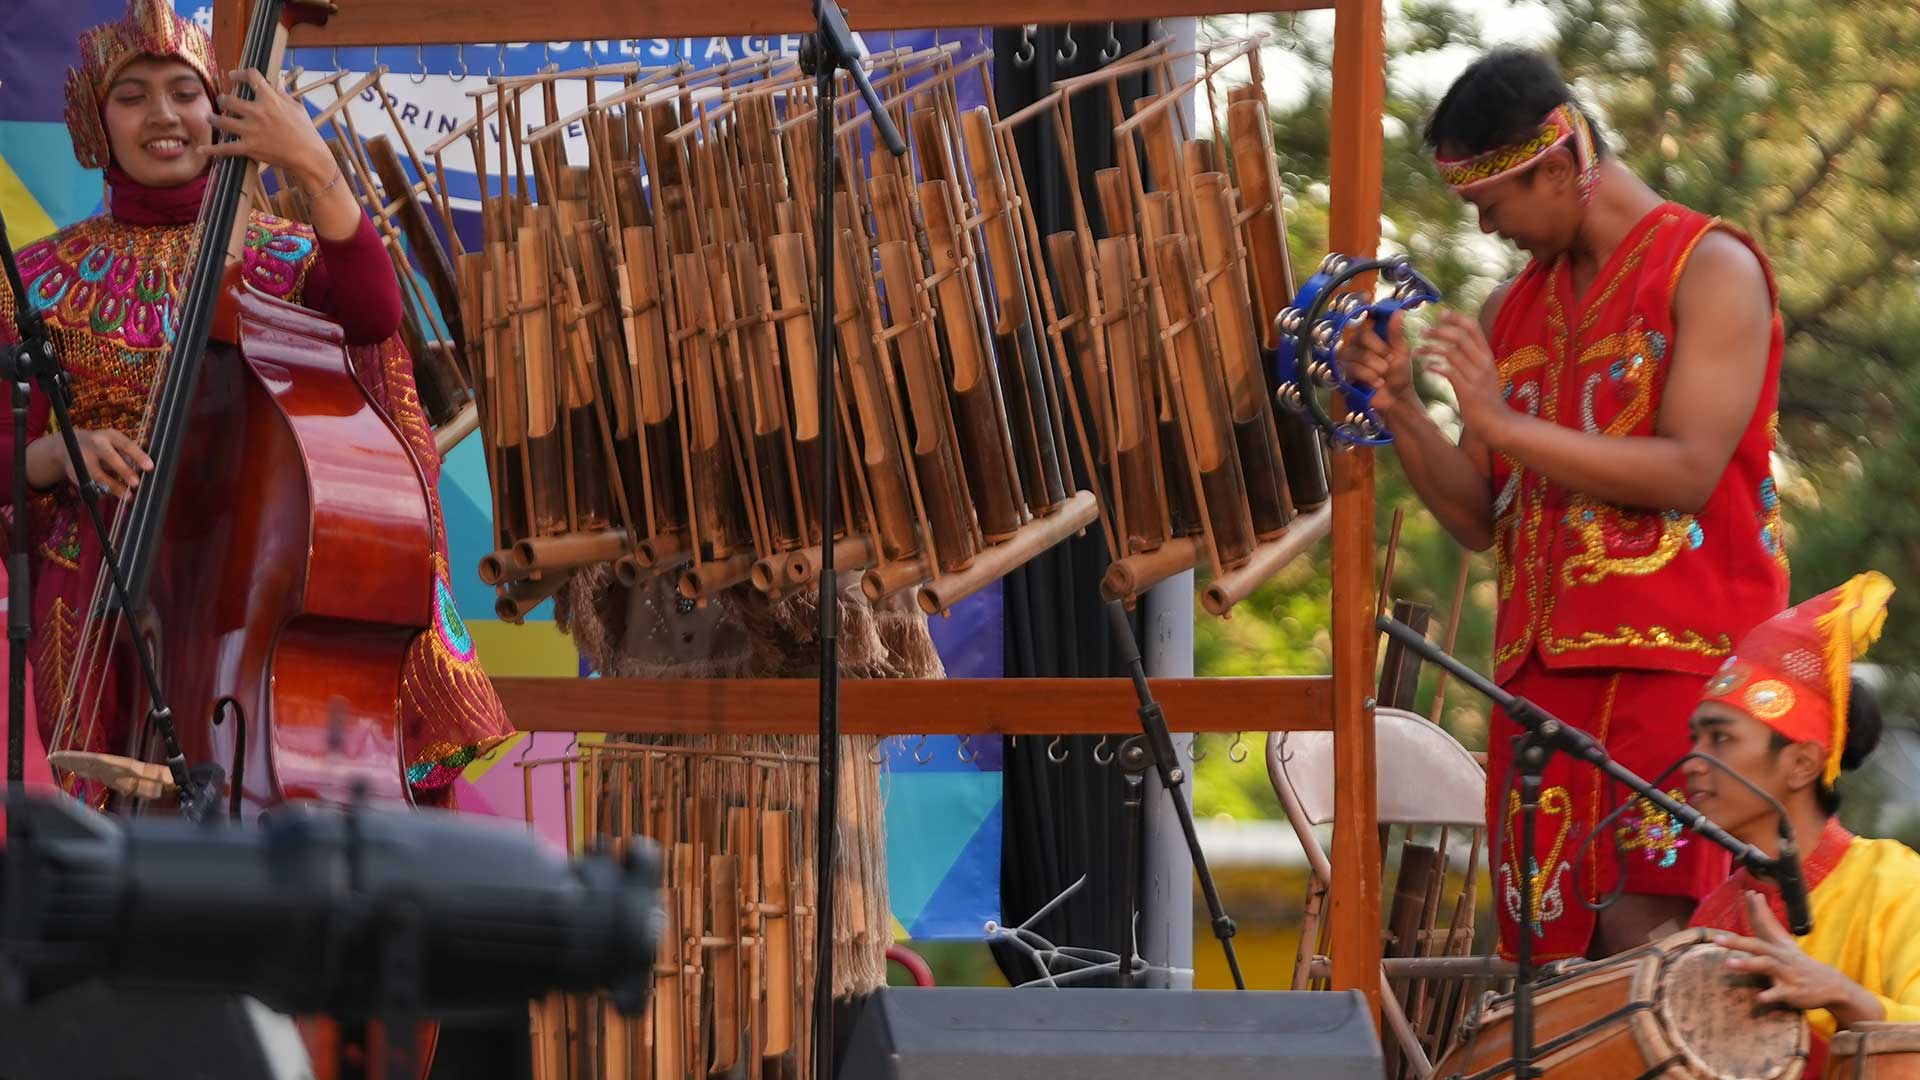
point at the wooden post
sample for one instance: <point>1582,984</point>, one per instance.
<point>1359,98</point>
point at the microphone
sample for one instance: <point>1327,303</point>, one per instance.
<point>321,910</point>
<point>1785,872</point>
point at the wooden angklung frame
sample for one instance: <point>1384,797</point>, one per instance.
<point>578,412</point>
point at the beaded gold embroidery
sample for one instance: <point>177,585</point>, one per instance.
<point>1604,529</point>
<point>1653,637</point>
<point>1548,900</point>
<point>59,635</point>
<point>1653,831</point>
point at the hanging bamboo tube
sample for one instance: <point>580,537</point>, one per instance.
<point>880,440</point>
<point>546,452</point>
<point>1202,397</point>
<point>1252,415</point>
<point>976,408</point>
<point>441,381</point>
<point>765,416</point>
<point>943,488</point>
<point>716,500</point>
<point>1264,226</point>
<point>1134,440</point>
<point>1039,447</point>
<point>643,315</point>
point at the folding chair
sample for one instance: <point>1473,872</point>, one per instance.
<point>1432,790</point>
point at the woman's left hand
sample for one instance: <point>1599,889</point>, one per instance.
<point>274,130</point>
<point>1799,981</point>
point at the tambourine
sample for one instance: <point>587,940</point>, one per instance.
<point>1308,335</point>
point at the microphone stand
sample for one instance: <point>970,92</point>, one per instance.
<point>1155,742</point>
<point>826,52</point>
<point>1546,735</point>
<point>35,359</point>
<point>16,365</point>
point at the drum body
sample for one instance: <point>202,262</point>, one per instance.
<point>1875,1052</point>
<point>1665,1010</point>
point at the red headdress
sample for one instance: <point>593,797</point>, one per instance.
<point>1793,672</point>
<point>149,28</point>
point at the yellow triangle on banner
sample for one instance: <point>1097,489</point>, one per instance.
<point>26,221</point>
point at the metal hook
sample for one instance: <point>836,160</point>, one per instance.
<point>1101,754</point>
<point>1056,753</point>
<point>968,755</point>
<point>1111,50</point>
<point>420,54</point>
<point>1237,751</point>
<point>546,55</point>
<point>1072,50</point>
<point>1023,57</point>
<point>376,58</point>
<point>1197,751</point>
<point>918,749</point>
<point>461,52</point>
<point>336,58</point>
<point>502,60</point>
<point>876,755</point>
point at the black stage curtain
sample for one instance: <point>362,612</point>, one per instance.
<point>1062,820</point>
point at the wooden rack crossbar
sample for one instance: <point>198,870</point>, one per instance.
<point>1018,706</point>
<point>937,706</point>
<point>414,22</point>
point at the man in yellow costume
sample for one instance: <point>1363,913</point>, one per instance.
<point>1786,713</point>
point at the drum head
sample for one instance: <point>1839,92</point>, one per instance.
<point>1708,1016</point>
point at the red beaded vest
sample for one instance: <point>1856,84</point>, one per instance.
<point>1585,583</point>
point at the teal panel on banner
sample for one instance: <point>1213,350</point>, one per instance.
<point>944,814</point>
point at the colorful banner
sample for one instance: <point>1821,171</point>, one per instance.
<point>943,799</point>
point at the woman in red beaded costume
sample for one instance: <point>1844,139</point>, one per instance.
<point>1617,405</point>
<point>144,105</point>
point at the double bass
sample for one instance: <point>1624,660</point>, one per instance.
<point>277,561</point>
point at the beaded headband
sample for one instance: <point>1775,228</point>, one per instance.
<point>149,28</point>
<point>1566,123</point>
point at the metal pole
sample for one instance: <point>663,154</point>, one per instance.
<point>1166,915</point>
<point>1166,910</point>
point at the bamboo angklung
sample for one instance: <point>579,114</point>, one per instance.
<point>1142,349</point>
<point>644,372</point>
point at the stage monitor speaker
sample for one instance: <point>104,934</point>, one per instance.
<point>984,1033</point>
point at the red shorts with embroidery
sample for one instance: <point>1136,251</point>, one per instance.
<point>1641,717</point>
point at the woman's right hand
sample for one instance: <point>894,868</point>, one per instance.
<point>113,460</point>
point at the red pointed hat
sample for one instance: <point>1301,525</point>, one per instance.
<point>1793,672</point>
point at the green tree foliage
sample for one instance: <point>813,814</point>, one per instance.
<point>1794,120</point>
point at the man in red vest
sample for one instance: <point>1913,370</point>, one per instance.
<point>1617,404</point>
